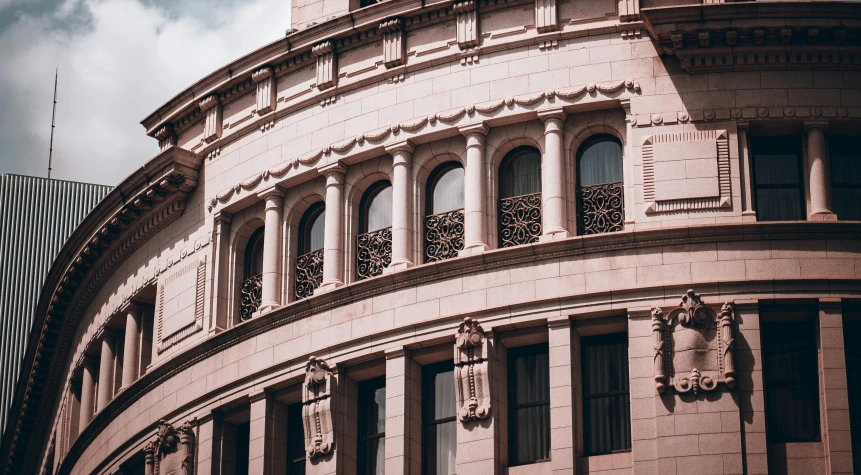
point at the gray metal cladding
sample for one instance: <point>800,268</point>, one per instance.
<point>37,215</point>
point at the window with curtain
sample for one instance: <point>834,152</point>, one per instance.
<point>528,404</point>
<point>372,427</point>
<point>309,262</point>
<point>852,342</point>
<point>606,394</point>
<point>444,213</point>
<point>845,160</point>
<point>778,183</point>
<point>439,438</point>
<point>295,440</point>
<point>599,185</point>
<point>520,197</point>
<point>374,245</point>
<point>243,440</point>
<point>791,374</point>
<point>251,287</point>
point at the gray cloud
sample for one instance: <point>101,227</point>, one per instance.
<point>118,60</point>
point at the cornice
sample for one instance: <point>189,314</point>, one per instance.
<point>574,246</point>
<point>128,216</point>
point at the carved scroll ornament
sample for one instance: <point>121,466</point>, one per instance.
<point>693,346</point>
<point>172,451</point>
<point>317,408</point>
<point>471,375</point>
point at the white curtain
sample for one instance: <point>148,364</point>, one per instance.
<point>601,162</point>
<point>521,173</point>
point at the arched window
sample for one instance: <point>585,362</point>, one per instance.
<point>520,197</point>
<point>599,185</point>
<point>309,263</point>
<point>444,212</point>
<point>374,245</point>
<point>252,282</point>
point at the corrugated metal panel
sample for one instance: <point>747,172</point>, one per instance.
<point>37,215</point>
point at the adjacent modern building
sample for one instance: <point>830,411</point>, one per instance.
<point>36,217</point>
<point>475,237</point>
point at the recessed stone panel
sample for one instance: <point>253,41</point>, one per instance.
<point>180,303</point>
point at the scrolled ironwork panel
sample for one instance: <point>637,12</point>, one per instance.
<point>309,273</point>
<point>519,220</point>
<point>443,235</point>
<point>373,253</point>
<point>251,291</point>
<point>601,208</point>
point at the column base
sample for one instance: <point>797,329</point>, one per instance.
<point>397,266</point>
<point>554,236</point>
<point>748,216</point>
<point>267,308</point>
<point>473,249</point>
<point>327,286</point>
<point>822,216</point>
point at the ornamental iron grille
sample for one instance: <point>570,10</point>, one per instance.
<point>309,273</point>
<point>251,293</point>
<point>373,253</point>
<point>519,220</point>
<point>601,208</point>
<point>443,235</point>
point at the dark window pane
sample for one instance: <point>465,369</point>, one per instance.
<point>606,395</point>
<point>439,439</point>
<point>254,254</point>
<point>529,404</point>
<point>448,191</point>
<point>845,160</point>
<point>242,442</point>
<point>372,426</point>
<point>779,204</point>
<point>316,231</point>
<point>790,369</point>
<point>372,457</point>
<point>847,203</point>
<point>777,183</point>
<point>852,339</point>
<point>776,169</point>
<point>295,440</point>
<point>520,173</point>
<point>600,161</point>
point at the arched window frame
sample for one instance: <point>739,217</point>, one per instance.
<point>251,286</point>
<point>600,206</point>
<point>519,216</point>
<point>443,231</point>
<point>309,262</point>
<point>373,247</point>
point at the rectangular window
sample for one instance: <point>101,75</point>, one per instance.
<point>606,394</point>
<point>777,178</point>
<point>372,427</point>
<point>528,404</point>
<point>852,341</point>
<point>295,440</point>
<point>438,418</point>
<point>791,374</point>
<point>845,161</point>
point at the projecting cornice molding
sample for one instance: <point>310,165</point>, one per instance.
<point>451,118</point>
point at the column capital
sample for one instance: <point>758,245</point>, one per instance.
<point>480,129</point>
<point>108,332</point>
<point>815,124</point>
<point>547,116</point>
<point>222,217</point>
<point>271,192</point>
<point>830,303</point>
<point>742,124</point>
<point>89,361</point>
<point>130,306</point>
<point>332,169</point>
<point>404,146</point>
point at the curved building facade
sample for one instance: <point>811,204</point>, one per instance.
<point>475,237</point>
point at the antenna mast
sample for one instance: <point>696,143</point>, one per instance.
<point>53,117</point>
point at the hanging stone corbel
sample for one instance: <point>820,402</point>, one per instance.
<point>694,346</point>
<point>265,95</point>
<point>546,18</point>
<point>393,43</point>
<point>172,451</point>
<point>165,136</point>
<point>327,69</point>
<point>467,23</point>
<point>471,372</point>
<point>211,106</point>
<point>317,408</point>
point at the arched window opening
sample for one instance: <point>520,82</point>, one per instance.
<point>374,245</point>
<point>599,185</point>
<point>252,282</point>
<point>309,263</point>
<point>520,197</point>
<point>444,213</point>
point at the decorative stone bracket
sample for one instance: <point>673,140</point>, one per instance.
<point>471,372</point>
<point>317,408</point>
<point>327,69</point>
<point>694,346</point>
<point>166,137</point>
<point>172,452</point>
<point>265,80</point>
<point>212,128</point>
<point>467,23</point>
<point>546,17</point>
<point>393,43</point>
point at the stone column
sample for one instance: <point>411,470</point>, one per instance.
<point>220,271</point>
<point>267,454</point>
<point>333,239</point>
<point>402,206</point>
<point>819,172</point>
<point>835,396</point>
<point>562,428</point>
<point>132,344</point>
<point>745,171</point>
<point>475,190</point>
<point>553,197</point>
<point>272,245</point>
<point>106,369</point>
<point>88,392</point>
<point>403,398</point>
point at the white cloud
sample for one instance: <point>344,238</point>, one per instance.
<point>130,59</point>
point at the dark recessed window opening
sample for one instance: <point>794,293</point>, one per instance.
<point>606,394</point>
<point>295,440</point>
<point>439,438</point>
<point>852,342</point>
<point>372,427</point>
<point>845,161</point>
<point>778,184</point>
<point>600,195</point>
<point>528,404</point>
<point>520,197</point>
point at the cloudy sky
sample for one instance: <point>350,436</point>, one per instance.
<point>118,61</point>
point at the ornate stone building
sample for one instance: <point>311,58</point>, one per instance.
<point>476,237</point>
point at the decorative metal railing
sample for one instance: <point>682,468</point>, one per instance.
<point>373,253</point>
<point>251,291</point>
<point>309,273</point>
<point>443,235</point>
<point>519,220</point>
<point>601,208</point>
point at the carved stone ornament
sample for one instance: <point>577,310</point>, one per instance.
<point>317,408</point>
<point>693,346</point>
<point>172,451</point>
<point>471,375</point>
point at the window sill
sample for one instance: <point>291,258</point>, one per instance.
<point>601,463</point>
<point>537,468</point>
